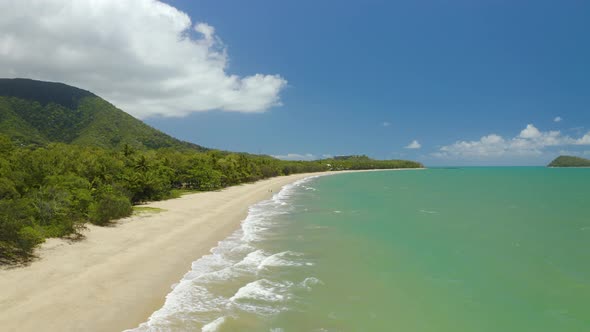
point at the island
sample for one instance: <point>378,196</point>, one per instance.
<point>569,161</point>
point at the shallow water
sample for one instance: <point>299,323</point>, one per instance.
<point>468,249</point>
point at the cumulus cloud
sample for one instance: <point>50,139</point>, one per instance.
<point>584,140</point>
<point>144,56</point>
<point>413,145</point>
<point>530,141</point>
<point>557,119</point>
<point>530,132</point>
<point>574,153</point>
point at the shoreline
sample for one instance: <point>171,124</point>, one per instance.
<point>116,277</point>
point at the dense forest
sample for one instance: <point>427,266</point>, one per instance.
<point>569,161</point>
<point>37,113</point>
<point>68,157</point>
<point>53,191</point>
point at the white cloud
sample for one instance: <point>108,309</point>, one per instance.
<point>530,132</point>
<point>530,141</point>
<point>206,30</point>
<point>557,119</point>
<point>574,153</point>
<point>144,56</point>
<point>569,153</point>
<point>413,145</point>
<point>386,124</point>
<point>584,140</point>
<point>297,156</point>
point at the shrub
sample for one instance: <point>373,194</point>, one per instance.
<point>29,238</point>
<point>109,204</point>
<point>15,241</point>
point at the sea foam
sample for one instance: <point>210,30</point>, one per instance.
<point>196,299</point>
<point>214,325</point>
<point>285,258</point>
<point>262,290</point>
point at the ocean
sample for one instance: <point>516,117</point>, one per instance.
<point>443,249</point>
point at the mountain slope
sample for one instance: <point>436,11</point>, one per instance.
<point>37,113</point>
<point>569,161</point>
<point>12,125</point>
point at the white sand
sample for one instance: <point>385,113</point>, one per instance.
<point>116,277</point>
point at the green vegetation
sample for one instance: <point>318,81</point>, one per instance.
<point>52,191</point>
<point>146,209</point>
<point>37,113</point>
<point>569,161</point>
<point>68,157</point>
<point>340,163</point>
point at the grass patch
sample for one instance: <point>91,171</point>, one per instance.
<point>146,209</point>
<point>175,193</point>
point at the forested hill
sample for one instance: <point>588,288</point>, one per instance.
<point>68,157</point>
<point>569,161</point>
<point>37,113</point>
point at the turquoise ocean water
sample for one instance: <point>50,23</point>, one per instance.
<point>456,249</point>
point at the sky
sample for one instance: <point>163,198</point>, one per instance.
<point>453,82</point>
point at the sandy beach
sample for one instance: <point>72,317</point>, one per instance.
<point>117,276</point>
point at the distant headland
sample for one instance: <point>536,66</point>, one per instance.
<point>569,161</point>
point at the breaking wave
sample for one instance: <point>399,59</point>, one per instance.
<point>229,280</point>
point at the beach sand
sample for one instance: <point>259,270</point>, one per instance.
<point>116,277</point>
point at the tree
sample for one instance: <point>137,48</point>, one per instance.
<point>109,204</point>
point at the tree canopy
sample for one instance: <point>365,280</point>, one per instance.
<point>68,157</point>
<point>37,113</point>
<point>51,191</point>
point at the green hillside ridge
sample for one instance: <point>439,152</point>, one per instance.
<point>569,161</point>
<point>37,113</point>
<point>68,157</point>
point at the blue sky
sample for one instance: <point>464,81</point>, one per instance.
<point>372,76</point>
<point>472,82</point>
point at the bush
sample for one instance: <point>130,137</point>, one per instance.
<point>7,189</point>
<point>17,240</point>
<point>9,230</point>
<point>29,238</point>
<point>109,205</point>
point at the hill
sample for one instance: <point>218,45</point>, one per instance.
<point>569,161</point>
<point>88,174</point>
<point>37,113</point>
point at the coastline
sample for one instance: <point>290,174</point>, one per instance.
<point>116,277</point>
